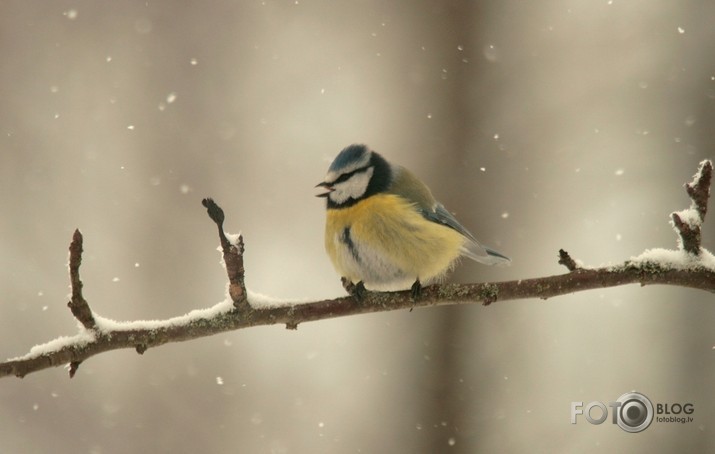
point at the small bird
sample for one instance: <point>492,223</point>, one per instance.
<point>384,230</point>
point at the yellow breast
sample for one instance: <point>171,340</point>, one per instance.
<point>384,241</point>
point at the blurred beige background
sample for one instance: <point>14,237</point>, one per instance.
<point>543,125</point>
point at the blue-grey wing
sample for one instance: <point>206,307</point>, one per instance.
<point>472,248</point>
<point>406,185</point>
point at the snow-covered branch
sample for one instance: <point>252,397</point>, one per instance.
<point>689,265</point>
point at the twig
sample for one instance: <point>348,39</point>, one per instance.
<point>566,260</point>
<point>699,188</point>
<point>78,305</point>
<point>688,223</point>
<point>232,257</point>
<point>101,337</point>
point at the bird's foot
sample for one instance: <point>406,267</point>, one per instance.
<point>357,291</point>
<point>416,291</point>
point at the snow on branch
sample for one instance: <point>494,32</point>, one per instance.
<point>690,265</point>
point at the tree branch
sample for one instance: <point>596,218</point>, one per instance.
<point>688,266</point>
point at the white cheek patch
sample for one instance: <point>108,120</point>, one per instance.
<point>353,188</point>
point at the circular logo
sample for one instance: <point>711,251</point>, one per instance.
<point>635,413</point>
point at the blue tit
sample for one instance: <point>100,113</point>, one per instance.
<point>384,229</point>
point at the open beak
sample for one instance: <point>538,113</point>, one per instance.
<point>327,186</point>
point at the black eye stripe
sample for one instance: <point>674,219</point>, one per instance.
<point>347,176</point>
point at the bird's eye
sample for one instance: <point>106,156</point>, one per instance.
<point>347,176</point>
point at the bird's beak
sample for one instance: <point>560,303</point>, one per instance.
<point>327,186</point>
